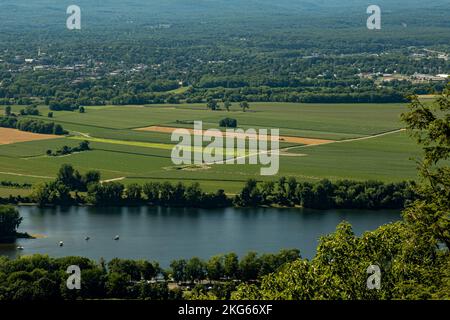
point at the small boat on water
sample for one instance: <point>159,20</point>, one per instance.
<point>61,243</point>
<point>116,238</point>
<point>87,238</point>
<point>19,248</point>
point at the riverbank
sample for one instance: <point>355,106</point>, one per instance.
<point>164,234</point>
<point>284,193</point>
<point>152,205</point>
<point>13,238</point>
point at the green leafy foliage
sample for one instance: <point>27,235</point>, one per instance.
<point>413,255</point>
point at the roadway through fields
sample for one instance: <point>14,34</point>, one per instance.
<point>25,175</point>
<point>350,140</point>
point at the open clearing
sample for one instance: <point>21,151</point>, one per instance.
<point>9,136</point>
<point>297,140</point>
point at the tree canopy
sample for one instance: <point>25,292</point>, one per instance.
<point>10,220</point>
<point>413,255</point>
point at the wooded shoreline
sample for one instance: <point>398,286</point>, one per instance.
<point>71,188</point>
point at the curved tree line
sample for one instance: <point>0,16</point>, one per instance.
<point>73,188</point>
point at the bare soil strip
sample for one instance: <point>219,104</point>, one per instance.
<point>297,140</point>
<point>352,139</point>
<point>86,135</point>
<point>374,136</point>
<point>113,180</point>
<point>25,175</point>
<point>10,136</point>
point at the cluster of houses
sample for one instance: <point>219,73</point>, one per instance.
<point>92,70</point>
<point>418,77</point>
<point>415,78</point>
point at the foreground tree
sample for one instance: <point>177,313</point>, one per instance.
<point>195,269</point>
<point>214,268</point>
<point>430,125</point>
<point>412,255</point>
<point>178,269</point>
<point>231,265</point>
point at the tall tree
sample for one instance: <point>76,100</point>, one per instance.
<point>244,105</point>
<point>215,267</point>
<point>212,105</point>
<point>66,175</point>
<point>430,125</point>
<point>10,220</point>
<point>231,265</point>
<point>195,269</point>
<point>227,105</point>
<point>179,270</point>
<point>7,111</point>
<point>249,266</point>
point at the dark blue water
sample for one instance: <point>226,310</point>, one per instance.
<point>164,234</point>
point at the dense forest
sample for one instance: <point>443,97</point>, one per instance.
<point>316,53</point>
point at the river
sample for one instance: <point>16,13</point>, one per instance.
<point>164,234</point>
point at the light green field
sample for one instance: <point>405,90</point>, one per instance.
<point>325,121</point>
<point>136,156</point>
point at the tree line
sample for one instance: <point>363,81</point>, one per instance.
<point>325,194</point>
<point>73,188</point>
<point>286,192</point>
<point>65,150</point>
<point>41,278</point>
<point>15,185</point>
<point>228,266</point>
<point>31,125</point>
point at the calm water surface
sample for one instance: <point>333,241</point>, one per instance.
<point>164,234</point>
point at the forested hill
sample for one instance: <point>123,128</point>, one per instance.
<point>25,13</point>
<point>154,51</point>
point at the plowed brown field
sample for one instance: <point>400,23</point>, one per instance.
<point>9,136</point>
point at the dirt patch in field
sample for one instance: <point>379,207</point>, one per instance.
<point>289,139</point>
<point>9,136</point>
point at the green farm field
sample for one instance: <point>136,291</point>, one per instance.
<point>369,144</point>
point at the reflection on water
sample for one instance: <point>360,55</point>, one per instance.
<point>164,234</point>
